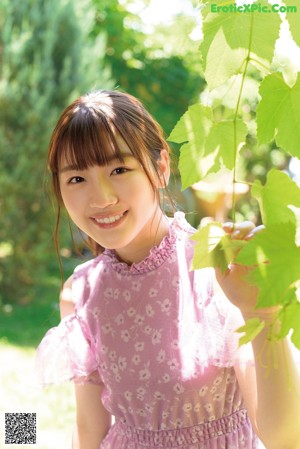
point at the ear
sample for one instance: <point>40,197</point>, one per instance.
<point>164,169</point>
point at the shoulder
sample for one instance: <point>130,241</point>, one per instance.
<point>81,285</point>
<point>87,267</point>
<point>66,299</point>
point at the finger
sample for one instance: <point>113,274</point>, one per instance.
<point>238,231</point>
<point>254,231</point>
<point>228,227</point>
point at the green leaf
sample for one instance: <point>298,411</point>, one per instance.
<point>193,128</point>
<point>278,113</point>
<point>208,145</point>
<point>222,61</point>
<point>289,317</point>
<point>293,19</point>
<point>296,212</point>
<point>253,31</point>
<point>222,141</point>
<point>214,248</point>
<point>276,196</point>
<point>252,328</point>
<point>276,258</point>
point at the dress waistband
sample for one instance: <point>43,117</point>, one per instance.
<point>184,436</point>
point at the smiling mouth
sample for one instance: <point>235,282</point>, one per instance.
<point>110,220</point>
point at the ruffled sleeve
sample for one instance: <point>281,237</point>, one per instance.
<point>216,332</point>
<point>230,352</point>
<point>66,353</point>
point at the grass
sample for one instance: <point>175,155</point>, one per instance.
<point>54,406</point>
<point>21,329</point>
<point>25,324</point>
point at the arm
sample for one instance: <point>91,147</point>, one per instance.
<point>66,304</point>
<point>271,388</point>
<point>92,419</point>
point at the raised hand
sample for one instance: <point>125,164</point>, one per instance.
<point>233,282</point>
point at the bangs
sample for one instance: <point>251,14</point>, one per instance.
<point>88,139</point>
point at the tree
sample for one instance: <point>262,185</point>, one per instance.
<point>164,79</point>
<point>42,66</point>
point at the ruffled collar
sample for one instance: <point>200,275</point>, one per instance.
<point>158,254</point>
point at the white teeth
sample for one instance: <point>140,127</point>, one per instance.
<point>108,220</point>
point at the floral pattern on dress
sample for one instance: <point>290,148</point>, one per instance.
<point>164,348</point>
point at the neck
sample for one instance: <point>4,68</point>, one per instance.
<point>158,228</point>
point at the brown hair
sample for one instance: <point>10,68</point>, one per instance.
<point>85,135</point>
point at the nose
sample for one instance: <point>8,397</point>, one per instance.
<point>102,195</point>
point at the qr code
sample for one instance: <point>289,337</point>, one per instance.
<point>20,428</point>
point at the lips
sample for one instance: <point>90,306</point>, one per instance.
<point>111,219</point>
<point>108,220</point>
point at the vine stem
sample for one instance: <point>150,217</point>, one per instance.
<point>247,60</point>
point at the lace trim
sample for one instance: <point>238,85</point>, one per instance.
<point>158,254</point>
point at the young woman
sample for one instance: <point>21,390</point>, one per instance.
<point>147,340</point>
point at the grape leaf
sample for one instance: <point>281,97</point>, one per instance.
<point>289,318</point>
<point>214,248</point>
<point>274,199</point>
<point>278,113</point>
<point>252,328</point>
<point>260,31</point>
<point>296,212</point>
<point>276,260</point>
<point>222,61</point>
<point>221,142</point>
<point>293,19</point>
<point>192,126</point>
<point>208,145</point>
<point>192,129</point>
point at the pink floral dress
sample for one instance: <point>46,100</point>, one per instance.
<point>162,343</point>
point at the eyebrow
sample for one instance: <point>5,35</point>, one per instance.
<point>74,167</point>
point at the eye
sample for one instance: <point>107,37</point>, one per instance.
<point>119,171</point>
<point>75,180</point>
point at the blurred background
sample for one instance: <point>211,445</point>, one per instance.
<point>51,51</point>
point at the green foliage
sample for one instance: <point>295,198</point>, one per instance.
<point>166,81</point>
<point>276,251</point>
<point>210,144</point>
<point>276,197</point>
<point>231,39</point>
<point>293,20</point>
<point>289,317</point>
<point>192,129</point>
<point>214,248</point>
<point>277,257</point>
<point>42,67</point>
<point>279,111</point>
<point>252,328</point>
<point>238,48</point>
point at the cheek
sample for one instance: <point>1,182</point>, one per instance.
<point>71,202</point>
<point>141,188</point>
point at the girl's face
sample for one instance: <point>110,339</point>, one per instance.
<point>115,204</point>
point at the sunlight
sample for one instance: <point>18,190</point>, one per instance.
<point>159,12</point>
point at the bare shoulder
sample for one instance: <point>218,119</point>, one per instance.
<point>66,300</point>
